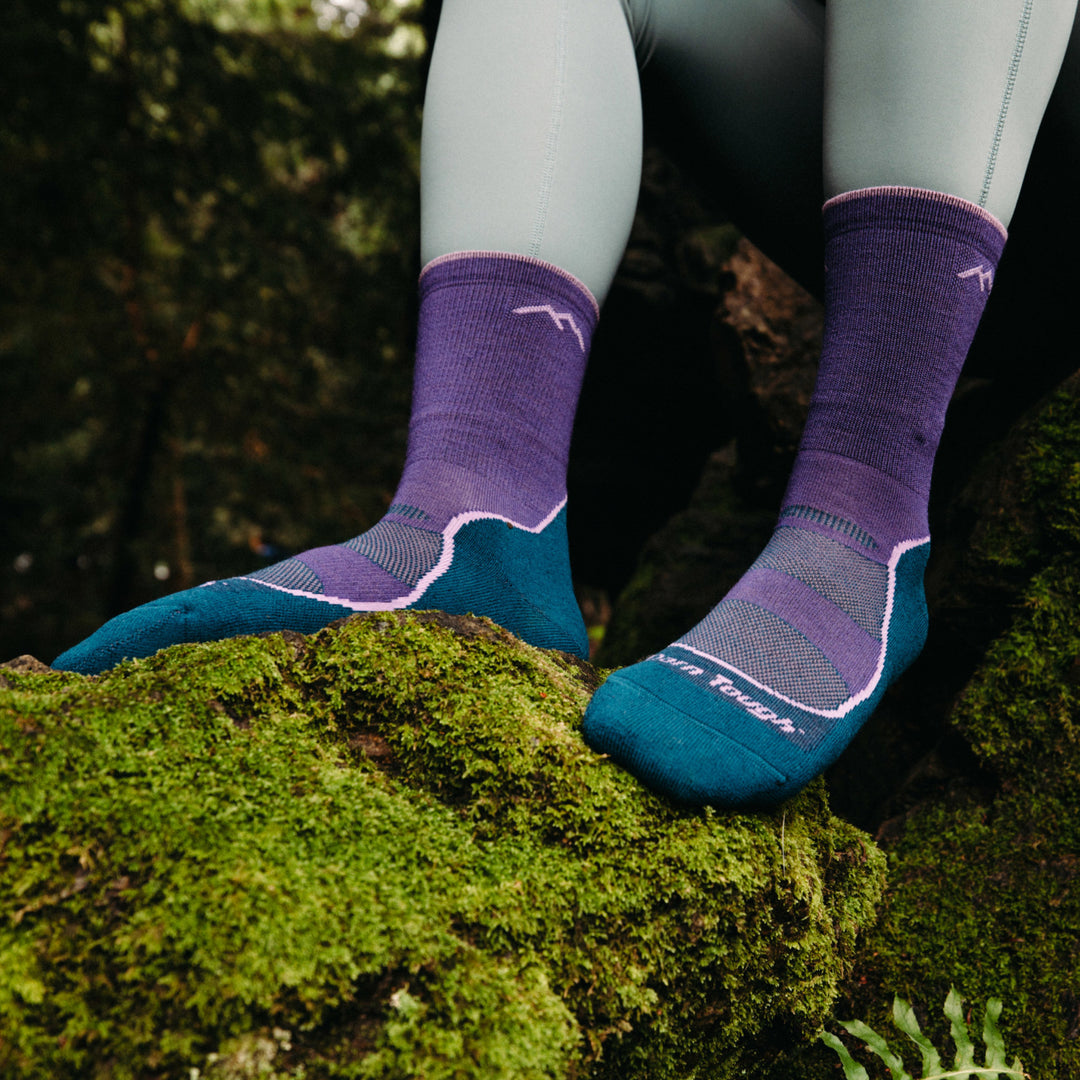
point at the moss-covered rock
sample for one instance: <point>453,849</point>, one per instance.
<point>385,851</point>
<point>983,876</point>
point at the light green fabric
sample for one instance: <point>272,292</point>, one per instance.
<point>532,134</point>
<point>940,94</point>
<point>532,123</point>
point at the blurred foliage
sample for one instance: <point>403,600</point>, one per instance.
<point>208,249</point>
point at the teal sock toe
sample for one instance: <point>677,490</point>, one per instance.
<point>664,730</point>
<point>697,730</point>
<point>212,612</point>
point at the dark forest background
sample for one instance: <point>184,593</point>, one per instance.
<point>208,252</point>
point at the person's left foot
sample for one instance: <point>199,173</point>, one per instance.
<point>769,688</point>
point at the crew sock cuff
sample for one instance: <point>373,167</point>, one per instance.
<point>508,268</point>
<point>918,208</point>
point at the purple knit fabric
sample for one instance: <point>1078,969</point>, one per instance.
<point>908,273</point>
<point>501,351</point>
<point>501,354</point>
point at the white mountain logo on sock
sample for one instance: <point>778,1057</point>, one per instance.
<point>557,317</point>
<point>986,276</point>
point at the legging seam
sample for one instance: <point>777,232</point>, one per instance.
<point>641,30</point>
<point>551,148</point>
<point>1010,85</point>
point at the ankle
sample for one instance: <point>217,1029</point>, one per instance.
<point>872,511</point>
<point>443,490</point>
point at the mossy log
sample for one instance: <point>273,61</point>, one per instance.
<point>385,851</point>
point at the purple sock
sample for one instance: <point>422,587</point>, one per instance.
<point>501,352</point>
<point>478,522</point>
<point>908,273</point>
<point>767,690</point>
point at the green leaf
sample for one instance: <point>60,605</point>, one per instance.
<point>954,1010</point>
<point>980,1072</point>
<point>995,1044</point>
<point>852,1069</point>
<point>904,1018</point>
<point>875,1043</point>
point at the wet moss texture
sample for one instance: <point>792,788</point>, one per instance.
<point>983,890</point>
<point>385,851</point>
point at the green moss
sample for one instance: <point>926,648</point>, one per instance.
<point>983,883</point>
<point>1021,713</point>
<point>1031,512</point>
<point>984,897</point>
<point>385,851</point>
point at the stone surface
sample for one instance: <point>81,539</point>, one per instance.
<point>384,850</point>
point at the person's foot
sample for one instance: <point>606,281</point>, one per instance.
<point>478,523</point>
<point>515,573</point>
<point>771,686</point>
<point>767,690</point>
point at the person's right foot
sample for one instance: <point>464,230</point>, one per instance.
<point>478,524</point>
<point>516,575</point>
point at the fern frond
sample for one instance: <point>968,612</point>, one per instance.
<point>995,1044</point>
<point>964,1067</point>
<point>852,1069</point>
<point>875,1043</point>
<point>904,1018</point>
<point>965,1048</point>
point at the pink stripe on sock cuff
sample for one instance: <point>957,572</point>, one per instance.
<point>525,260</point>
<point>953,201</point>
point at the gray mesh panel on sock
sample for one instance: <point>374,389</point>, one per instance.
<point>770,651</point>
<point>290,574</point>
<point>856,585</point>
<point>405,552</point>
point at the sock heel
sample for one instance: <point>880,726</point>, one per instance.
<point>517,578</point>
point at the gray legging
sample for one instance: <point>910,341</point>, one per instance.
<point>532,122</point>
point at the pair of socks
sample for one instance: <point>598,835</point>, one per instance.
<point>770,687</point>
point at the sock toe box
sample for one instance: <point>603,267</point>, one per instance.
<point>646,720</point>
<point>222,609</point>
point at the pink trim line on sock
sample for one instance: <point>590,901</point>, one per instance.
<point>446,558</point>
<point>846,706</point>
<point>926,193</point>
<point>515,257</point>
